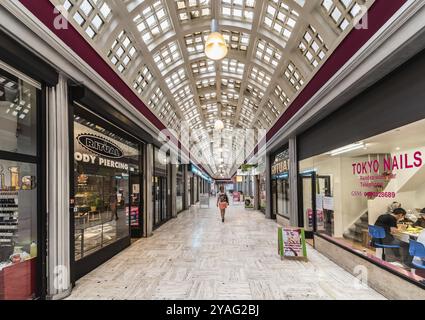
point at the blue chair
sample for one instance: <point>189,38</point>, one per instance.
<point>379,233</point>
<point>417,249</point>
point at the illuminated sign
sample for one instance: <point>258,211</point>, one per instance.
<point>100,146</point>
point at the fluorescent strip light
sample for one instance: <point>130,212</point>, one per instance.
<point>348,148</point>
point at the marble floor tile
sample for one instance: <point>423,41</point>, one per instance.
<point>196,256</point>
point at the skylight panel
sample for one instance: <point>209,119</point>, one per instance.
<point>143,79</point>
<point>313,47</point>
<point>238,41</point>
<point>188,10</point>
<point>203,67</point>
<point>294,76</point>
<point>233,66</point>
<point>231,84</point>
<point>176,79</point>
<point>195,42</point>
<point>272,108</point>
<point>89,15</point>
<point>342,12</point>
<point>156,99</point>
<point>208,96</point>
<point>280,19</point>
<point>260,77</point>
<point>153,22</point>
<point>229,96</point>
<point>183,94</point>
<point>206,83</point>
<point>281,95</point>
<point>167,56</point>
<point>267,53</point>
<point>122,52</point>
<point>238,9</point>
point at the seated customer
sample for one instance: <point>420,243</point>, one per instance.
<point>421,220</point>
<point>388,222</point>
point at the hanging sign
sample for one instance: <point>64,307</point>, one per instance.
<point>291,242</point>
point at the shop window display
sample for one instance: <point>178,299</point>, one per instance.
<point>107,188</point>
<point>18,189</point>
<point>375,184</point>
<point>280,184</point>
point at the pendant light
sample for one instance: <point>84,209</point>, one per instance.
<point>215,45</point>
<point>218,125</point>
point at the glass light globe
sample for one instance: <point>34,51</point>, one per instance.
<point>219,125</point>
<point>215,46</point>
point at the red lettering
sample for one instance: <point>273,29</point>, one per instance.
<point>354,168</point>
<point>418,159</point>
<point>387,164</point>
<point>406,159</point>
<point>376,166</point>
<point>395,163</point>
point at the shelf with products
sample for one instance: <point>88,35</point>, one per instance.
<point>9,213</point>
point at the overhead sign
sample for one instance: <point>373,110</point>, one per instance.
<point>100,146</point>
<point>281,163</point>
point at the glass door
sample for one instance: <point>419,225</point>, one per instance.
<point>307,199</point>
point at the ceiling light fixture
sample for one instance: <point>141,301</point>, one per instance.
<point>215,45</point>
<point>219,125</point>
<point>348,148</point>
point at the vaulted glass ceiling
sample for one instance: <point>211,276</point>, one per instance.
<point>157,47</point>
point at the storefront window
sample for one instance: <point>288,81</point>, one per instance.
<point>18,115</point>
<point>280,184</point>
<point>349,189</point>
<point>104,165</point>
<point>179,188</point>
<point>160,188</point>
<point>18,189</point>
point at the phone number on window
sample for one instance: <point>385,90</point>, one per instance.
<point>371,194</point>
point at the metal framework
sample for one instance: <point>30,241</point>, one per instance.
<point>157,47</point>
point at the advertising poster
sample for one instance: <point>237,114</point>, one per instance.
<point>292,243</point>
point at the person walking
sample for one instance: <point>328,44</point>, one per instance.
<point>222,202</point>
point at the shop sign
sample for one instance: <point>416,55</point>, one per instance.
<point>375,175</point>
<point>280,164</point>
<point>102,149</point>
<point>292,243</point>
<point>100,146</point>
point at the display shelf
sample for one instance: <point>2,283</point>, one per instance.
<point>9,213</point>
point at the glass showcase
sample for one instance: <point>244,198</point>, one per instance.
<point>18,188</point>
<point>348,192</point>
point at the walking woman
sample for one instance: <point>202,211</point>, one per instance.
<point>222,202</point>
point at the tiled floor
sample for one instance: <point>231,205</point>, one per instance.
<point>196,256</point>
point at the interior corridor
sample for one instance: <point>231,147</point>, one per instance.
<point>196,256</point>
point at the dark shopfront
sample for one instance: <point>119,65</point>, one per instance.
<point>24,80</point>
<point>108,182</point>
<point>280,184</point>
<point>161,188</point>
<point>180,188</point>
<point>359,160</point>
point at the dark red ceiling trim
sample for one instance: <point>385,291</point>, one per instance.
<point>44,11</point>
<point>379,13</point>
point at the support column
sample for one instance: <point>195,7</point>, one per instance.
<point>58,184</point>
<point>173,190</point>
<point>293,182</point>
<point>268,189</point>
<point>148,194</point>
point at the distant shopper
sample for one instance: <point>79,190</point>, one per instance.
<point>113,203</point>
<point>222,202</point>
<point>421,220</point>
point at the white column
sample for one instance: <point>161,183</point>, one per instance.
<point>58,182</point>
<point>148,214</point>
<point>293,182</point>
<point>268,189</point>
